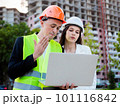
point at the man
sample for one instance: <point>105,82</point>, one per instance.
<point>29,58</point>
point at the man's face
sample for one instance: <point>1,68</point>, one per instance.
<point>51,27</point>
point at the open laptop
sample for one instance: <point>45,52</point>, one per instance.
<point>73,68</point>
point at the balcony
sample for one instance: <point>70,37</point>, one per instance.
<point>112,52</point>
<point>94,32</point>
<point>68,4</point>
<point>95,38</point>
<point>111,46</point>
<point>36,19</point>
<point>114,70</point>
<point>33,9</point>
<point>116,58</point>
<point>37,25</point>
<point>33,1</point>
<point>112,40</point>
<point>117,76</point>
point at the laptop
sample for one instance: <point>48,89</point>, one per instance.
<point>73,68</point>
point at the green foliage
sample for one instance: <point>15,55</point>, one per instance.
<point>35,30</point>
<point>114,63</point>
<point>102,68</point>
<point>8,35</point>
<point>117,47</point>
<point>88,40</point>
<point>111,78</point>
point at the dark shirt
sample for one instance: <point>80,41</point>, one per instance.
<point>18,67</point>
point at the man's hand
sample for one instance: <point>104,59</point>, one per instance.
<point>65,87</point>
<point>40,47</point>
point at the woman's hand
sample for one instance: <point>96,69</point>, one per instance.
<point>65,87</point>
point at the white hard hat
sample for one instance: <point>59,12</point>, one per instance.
<point>74,21</point>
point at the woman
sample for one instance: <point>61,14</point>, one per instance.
<point>71,42</point>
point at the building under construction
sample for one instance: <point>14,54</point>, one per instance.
<point>104,16</point>
<point>12,15</point>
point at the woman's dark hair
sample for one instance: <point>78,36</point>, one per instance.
<point>63,35</point>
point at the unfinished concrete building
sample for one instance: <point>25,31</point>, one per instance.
<point>12,15</point>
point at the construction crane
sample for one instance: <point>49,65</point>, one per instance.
<point>102,10</point>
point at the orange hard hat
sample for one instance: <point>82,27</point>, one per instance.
<point>53,11</point>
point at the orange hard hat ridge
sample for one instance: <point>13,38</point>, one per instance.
<point>53,11</point>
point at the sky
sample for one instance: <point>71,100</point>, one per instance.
<point>14,4</point>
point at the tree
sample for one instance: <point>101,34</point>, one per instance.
<point>114,63</point>
<point>8,35</point>
<point>88,39</point>
<point>35,30</point>
<point>117,47</point>
<point>111,78</point>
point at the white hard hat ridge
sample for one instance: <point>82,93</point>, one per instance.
<point>75,21</point>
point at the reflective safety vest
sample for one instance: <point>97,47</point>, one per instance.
<point>30,81</point>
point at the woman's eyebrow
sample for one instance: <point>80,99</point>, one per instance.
<point>77,30</point>
<point>70,28</point>
<point>73,29</point>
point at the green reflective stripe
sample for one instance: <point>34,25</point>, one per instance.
<point>34,74</point>
<point>44,75</point>
<point>25,86</point>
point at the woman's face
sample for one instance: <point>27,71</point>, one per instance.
<point>72,34</point>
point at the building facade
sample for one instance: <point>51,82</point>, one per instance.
<point>12,15</point>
